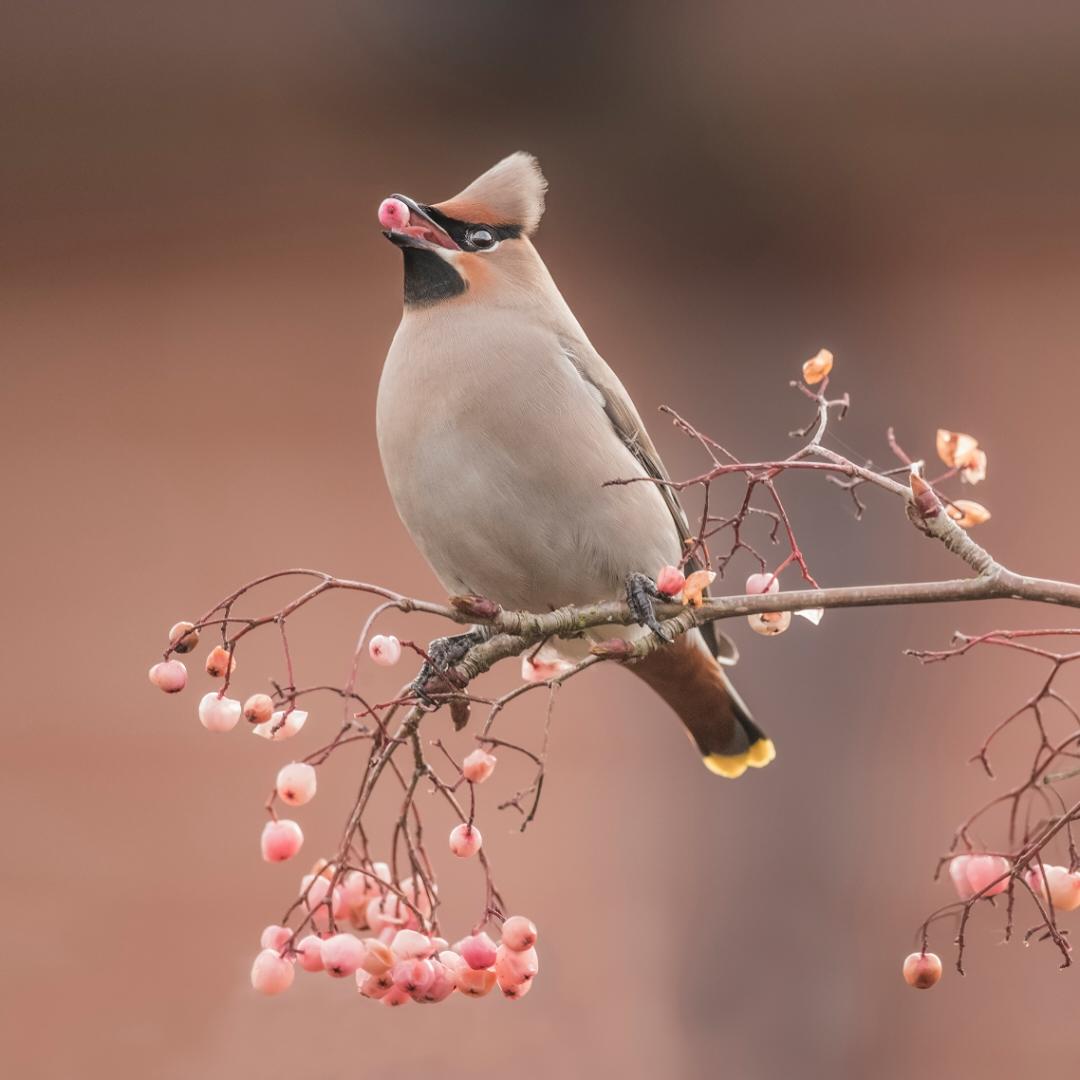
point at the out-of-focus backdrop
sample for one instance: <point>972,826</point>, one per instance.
<point>195,305</point>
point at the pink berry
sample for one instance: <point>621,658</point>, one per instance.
<point>393,214</point>
<point>922,970</point>
<point>515,991</point>
<point>296,783</point>
<point>442,985</point>
<point>670,580</point>
<point>959,877</point>
<point>317,892</point>
<point>478,951</point>
<point>385,649</point>
<point>271,974</point>
<point>761,583</point>
<point>465,841</point>
<point>281,840</point>
<point>478,766</point>
<point>412,975</point>
<point>357,889</point>
<point>384,912</point>
<point>218,713</point>
<point>374,986</point>
<point>309,953</point>
<point>412,945</point>
<point>544,666</point>
<point>1062,886</point>
<point>520,966</point>
<point>982,870</point>
<point>273,937</point>
<point>518,933</point>
<point>475,982</point>
<point>416,892</point>
<point>169,675</point>
<point>378,957</point>
<point>452,961</point>
<point>220,662</point>
<point>342,954</point>
<point>395,996</point>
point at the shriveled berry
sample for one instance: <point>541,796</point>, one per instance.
<point>220,662</point>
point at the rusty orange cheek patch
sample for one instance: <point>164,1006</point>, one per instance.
<point>474,270</point>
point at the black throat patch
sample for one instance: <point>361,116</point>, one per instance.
<point>429,277</point>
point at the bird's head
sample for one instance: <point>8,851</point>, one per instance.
<point>475,243</point>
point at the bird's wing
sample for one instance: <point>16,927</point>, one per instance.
<point>629,427</point>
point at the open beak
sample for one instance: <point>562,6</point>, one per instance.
<point>420,231</point>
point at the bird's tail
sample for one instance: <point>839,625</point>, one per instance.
<point>690,680</point>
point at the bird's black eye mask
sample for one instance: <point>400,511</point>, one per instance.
<point>472,235</point>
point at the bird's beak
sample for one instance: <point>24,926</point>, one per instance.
<point>421,230</point>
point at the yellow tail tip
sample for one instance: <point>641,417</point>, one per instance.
<point>731,766</point>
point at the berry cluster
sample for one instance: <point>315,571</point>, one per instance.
<point>398,963</point>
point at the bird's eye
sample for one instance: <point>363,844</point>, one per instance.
<point>482,239</point>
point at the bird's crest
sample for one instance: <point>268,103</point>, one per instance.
<point>509,193</point>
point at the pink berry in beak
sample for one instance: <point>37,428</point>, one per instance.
<point>478,766</point>
<point>518,933</point>
<point>393,214</point>
<point>465,841</point>
<point>169,675</point>
<point>281,840</point>
<point>218,713</point>
<point>385,649</point>
<point>296,783</point>
<point>271,974</point>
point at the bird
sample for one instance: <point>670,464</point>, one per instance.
<point>498,425</point>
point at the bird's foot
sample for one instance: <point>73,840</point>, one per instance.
<point>443,653</point>
<point>641,591</point>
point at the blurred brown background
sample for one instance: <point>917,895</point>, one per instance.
<point>195,305</point>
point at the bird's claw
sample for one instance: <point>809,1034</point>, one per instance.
<point>641,591</point>
<point>443,653</point>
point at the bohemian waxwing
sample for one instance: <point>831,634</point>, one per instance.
<point>498,424</point>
